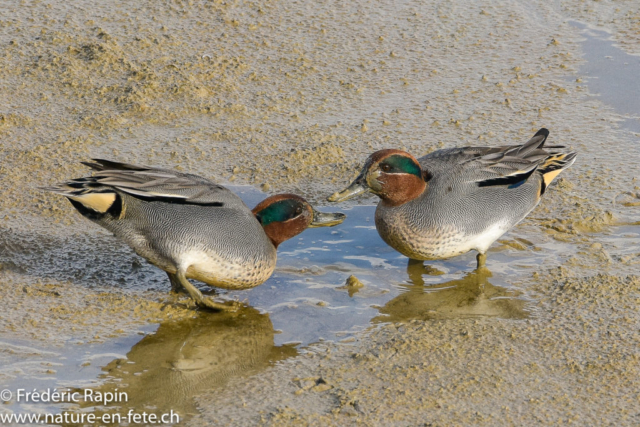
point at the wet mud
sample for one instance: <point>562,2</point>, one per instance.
<point>283,96</point>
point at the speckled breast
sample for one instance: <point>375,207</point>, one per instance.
<point>417,241</point>
<point>228,273</point>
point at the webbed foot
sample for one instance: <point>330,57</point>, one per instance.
<point>180,283</point>
<point>227,306</point>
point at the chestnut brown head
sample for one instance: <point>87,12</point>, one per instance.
<point>284,216</point>
<point>393,175</point>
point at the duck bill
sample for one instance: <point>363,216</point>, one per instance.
<point>357,187</point>
<point>321,219</point>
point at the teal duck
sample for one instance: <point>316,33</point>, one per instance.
<point>456,200</point>
<point>189,226</point>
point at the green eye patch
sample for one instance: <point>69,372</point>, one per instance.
<point>402,164</point>
<point>280,211</point>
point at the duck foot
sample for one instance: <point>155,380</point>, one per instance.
<point>180,283</point>
<point>229,306</point>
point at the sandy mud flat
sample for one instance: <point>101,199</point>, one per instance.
<point>292,96</point>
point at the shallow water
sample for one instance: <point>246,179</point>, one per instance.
<point>611,74</point>
<point>305,301</point>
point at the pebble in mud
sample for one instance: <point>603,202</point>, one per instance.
<point>352,285</point>
<point>316,384</point>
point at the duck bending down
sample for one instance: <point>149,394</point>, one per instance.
<point>459,199</point>
<point>189,226</point>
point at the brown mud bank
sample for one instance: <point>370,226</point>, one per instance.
<point>574,361</point>
<point>293,97</point>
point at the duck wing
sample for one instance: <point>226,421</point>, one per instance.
<point>509,165</point>
<point>152,184</point>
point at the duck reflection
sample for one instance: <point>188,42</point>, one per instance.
<point>471,296</point>
<point>166,370</point>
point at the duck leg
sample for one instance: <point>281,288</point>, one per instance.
<point>482,261</point>
<point>179,279</point>
<point>176,286</point>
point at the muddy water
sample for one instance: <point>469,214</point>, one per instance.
<point>307,300</point>
<point>611,74</point>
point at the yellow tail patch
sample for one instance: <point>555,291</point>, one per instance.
<point>99,202</point>
<point>556,164</point>
<point>550,176</point>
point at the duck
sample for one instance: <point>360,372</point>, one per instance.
<point>189,226</point>
<point>456,200</point>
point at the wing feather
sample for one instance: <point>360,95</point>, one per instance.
<point>486,166</point>
<point>150,184</point>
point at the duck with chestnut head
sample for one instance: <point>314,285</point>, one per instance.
<point>456,200</point>
<point>189,226</point>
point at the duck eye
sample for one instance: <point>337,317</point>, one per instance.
<point>298,210</point>
<point>385,167</point>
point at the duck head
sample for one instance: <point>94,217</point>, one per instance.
<point>393,175</point>
<point>284,216</point>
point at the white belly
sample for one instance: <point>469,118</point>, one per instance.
<point>481,242</point>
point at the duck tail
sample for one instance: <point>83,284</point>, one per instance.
<point>89,198</point>
<point>551,167</point>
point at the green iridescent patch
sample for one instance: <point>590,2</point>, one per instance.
<point>280,211</point>
<point>402,164</point>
